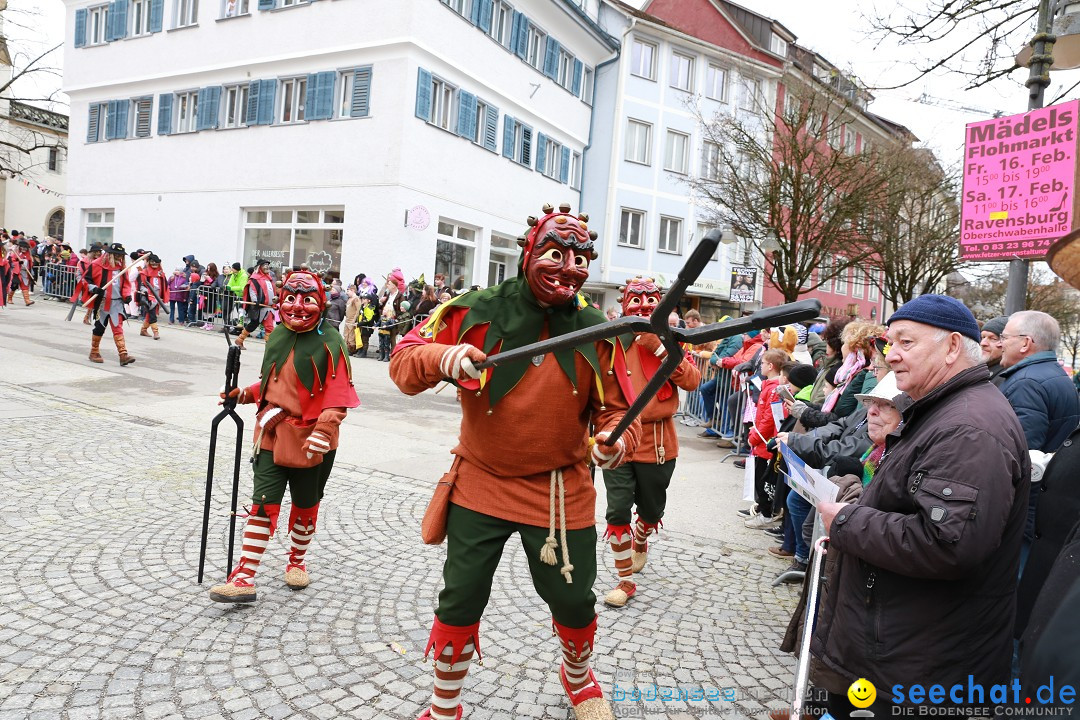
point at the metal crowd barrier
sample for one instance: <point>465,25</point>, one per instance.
<point>727,411</point>
<point>58,280</point>
<point>214,306</point>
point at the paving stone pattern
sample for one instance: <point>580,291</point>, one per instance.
<point>102,617</point>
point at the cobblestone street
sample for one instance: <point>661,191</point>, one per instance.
<point>102,616</point>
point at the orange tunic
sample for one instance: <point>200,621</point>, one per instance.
<point>539,426</point>
<point>657,420</point>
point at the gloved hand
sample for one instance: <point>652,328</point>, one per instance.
<point>125,298</point>
<point>239,394</point>
<point>458,362</point>
<point>651,343</point>
<point>607,457</point>
<point>771,445</point>
<point>317,443</point>
<point>798,408</point>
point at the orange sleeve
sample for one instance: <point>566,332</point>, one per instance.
<point>608,411</point>
<point>686,375</point>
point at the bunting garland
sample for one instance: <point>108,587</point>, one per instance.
<point>30,183</point>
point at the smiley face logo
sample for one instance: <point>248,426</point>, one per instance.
<point>862,693</point>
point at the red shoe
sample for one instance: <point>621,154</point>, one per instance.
<point>426,715</point>
<point>589,692</point>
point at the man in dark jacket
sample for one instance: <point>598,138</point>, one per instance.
<point>923,591</point>
<point>991,346</point>
<point>1039,391</point>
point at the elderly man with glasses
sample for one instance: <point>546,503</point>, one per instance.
<point>1039,390</point>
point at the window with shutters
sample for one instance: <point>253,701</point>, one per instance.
<point>682,72</point>
<point>139,112</point>
<point>293,97</point>
<point>575,171</point>
<point>553,152</point>
<point>502,23</point>
<point>676,151</point>
<point>95,129</point>
<point>670,231</point>
<point>477,131</point>
<point>291,3</point>
<point>140,17</point>
<point>97,24</point>
<point>565,76</point>
<point>535,43</point>
<point>587,85</point>
<point>517,141</point>
<point>354,96</point>
<point>637,141</point>
<point>643,59</point>
<point>234,106</point>
<point>235,8</point>
<point>631,223</point>
<point>185,111</point>
<point>187,13</point>
<point>443,110</point>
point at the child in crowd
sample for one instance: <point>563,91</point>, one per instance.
<point>762,431</point>
<point>384,338</point>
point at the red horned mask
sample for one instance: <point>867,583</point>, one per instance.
<point>557,253</point>
<point>640,296</point>
<point>303,299</point>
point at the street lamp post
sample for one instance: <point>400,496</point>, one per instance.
<point>1042,56</point>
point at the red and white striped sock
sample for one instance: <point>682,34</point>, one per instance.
<point>641,535</point>
<point>257,533</point>
<point>621,550</point>
<point>301,530</point>
<point>576,665</point>
<point>449,679</point>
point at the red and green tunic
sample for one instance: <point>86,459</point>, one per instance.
<point>523,420</point>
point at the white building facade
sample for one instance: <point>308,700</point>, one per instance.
<point>651,103</point>
<point>354,137</point>
<point>32,190</point>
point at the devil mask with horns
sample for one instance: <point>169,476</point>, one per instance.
<point>640,296</point>
<point>303,299</point>
<point>557,253</point>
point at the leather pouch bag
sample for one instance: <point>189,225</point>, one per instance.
<point>433,526</point>
<point>289,439</point>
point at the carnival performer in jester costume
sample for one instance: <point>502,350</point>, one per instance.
<point>152,278</point>
<point>21,263</point>
<point>645,478</point>
<point>258,300</point>
<point>107,280</point>
<point>520,464</point>
<point>304,392</point>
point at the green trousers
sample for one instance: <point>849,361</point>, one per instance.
<point>643,484</point>
<point>474,546</point>
<point>306,485</point>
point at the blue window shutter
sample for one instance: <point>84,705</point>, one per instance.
<point>80,29</point>
<point>491,127</point>
<point>423,94</point>
<point>267,91</point>
<point>361,92</point>
<point>157,13</point>
<point>541,152</point>
<point>466,113</point>
<point>215,106</point>
<point>310,93</point>
<point>551,58</point>
<point>201,120</point>
<point>110,23</point>
<point>575,86</point>
<point>486,10</point>
<point>564,171</point>
<point>121,124</point>
<point>526,146</point>
<point>324,96</point>
<point>93,123</point>
<point>474,12</point>
<point>520,36</point>
<point>508,137</point>
<point>253,102</point>
<point>207,114</point>
<point>266,4</point>
<point>164,114</point>
<point>118,13</point>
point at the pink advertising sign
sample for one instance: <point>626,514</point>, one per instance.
<point>1019,183</point>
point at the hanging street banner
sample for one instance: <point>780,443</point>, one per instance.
<point>743,282</point>
<point>1019,183</point>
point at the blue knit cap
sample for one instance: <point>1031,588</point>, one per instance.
<point>940,311</point>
